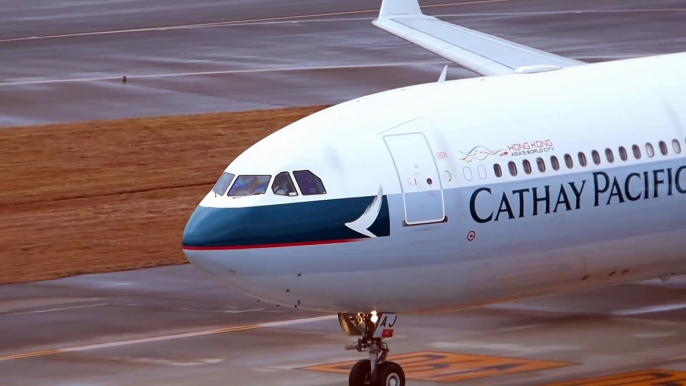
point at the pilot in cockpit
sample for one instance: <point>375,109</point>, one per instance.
<point>283,185</point>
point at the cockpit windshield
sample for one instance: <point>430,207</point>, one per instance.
<point>283,185</point>
<point>309,183</point>
<point>223,184</point>
<point>249,185</point>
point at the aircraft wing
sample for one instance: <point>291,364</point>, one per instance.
<point>476,51</point>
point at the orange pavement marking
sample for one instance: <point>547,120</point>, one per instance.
<point>450,367</point>
<point>634,378</point>
<point>29,355</point>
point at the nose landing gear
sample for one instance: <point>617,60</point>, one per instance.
<point>373,328</point>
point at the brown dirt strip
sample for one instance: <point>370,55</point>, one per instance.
<point>106,196</point>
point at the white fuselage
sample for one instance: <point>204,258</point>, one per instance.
<point>431,224</point>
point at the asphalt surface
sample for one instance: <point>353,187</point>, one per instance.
<point>176,326</point>
<point>63,61</point>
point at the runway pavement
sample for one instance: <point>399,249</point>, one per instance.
<point>175,326</point>
<point>63,61</point>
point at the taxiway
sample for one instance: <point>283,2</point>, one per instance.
<point>176,326</point>
<point>64,61</point>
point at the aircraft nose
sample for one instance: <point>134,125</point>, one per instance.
<point>213,227</point>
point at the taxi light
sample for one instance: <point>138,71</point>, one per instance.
<point>375,317</point>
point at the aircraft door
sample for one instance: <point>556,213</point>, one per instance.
<point>418,176</point>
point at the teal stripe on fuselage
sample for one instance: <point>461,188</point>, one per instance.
<point>285,224</point>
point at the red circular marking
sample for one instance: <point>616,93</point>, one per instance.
<point>471,236</point>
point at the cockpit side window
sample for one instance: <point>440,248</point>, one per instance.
<point>309,183</point>
<point>283,185</point>
<point>223,184</point>
<point>249,185</point>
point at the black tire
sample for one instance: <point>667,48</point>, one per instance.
<point>361,374</point>
<point>388,374</point>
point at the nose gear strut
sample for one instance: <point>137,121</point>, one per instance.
<point>373,328</point>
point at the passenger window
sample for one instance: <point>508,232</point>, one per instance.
<point>309,183</point>
<point>677,146</point>
<point>513,168</point>
<point>582,158</point>
<point>223,184</point>
<point>609,155</point>
<point>467,172</point>
<point>283,185</point>
<point>482,172</point>
<point>249,185</point>
<point>596,157</point>
<point>663,148</point>
<point>527,166</point>
<point>541,165</point>
<point>622,153</point>
<point>568,161</point>
<point>637,151</point>
<point>554,163</point>
<point>649,150</point>
<point>497,170</point>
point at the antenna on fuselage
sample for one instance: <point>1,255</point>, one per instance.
<point>441,79</point>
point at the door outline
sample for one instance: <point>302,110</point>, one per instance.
<point>400,181</point>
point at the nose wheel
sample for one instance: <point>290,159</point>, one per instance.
<point>373,328</point>
<point>361,373</point>
<point>386,374</point>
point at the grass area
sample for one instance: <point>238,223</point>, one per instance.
<point>106,196</point>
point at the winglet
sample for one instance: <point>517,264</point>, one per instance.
<point>444,73</point>
<point>391,8</point>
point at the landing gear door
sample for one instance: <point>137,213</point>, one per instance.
<point>418,176</point>
<point>385,326</point>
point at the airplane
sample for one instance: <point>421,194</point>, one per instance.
<point>544,175</point>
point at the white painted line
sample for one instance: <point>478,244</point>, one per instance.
<point>510,348</point>
<point>196,333</point>
<point>619,313</point>
<point>57,309</point>
<point>233,311</point>
<point>614,57</point>
<point>649,310</point>
<point>227,23</point>
<point>296,18</point>
<point>221,72</point>
<point>297,321</point>
<point>655,335</point>
<point>519,328</point>
<point>165,337</point>
<point>573,12</point>
<point>153,339</point>
<point>674,282</point>
<point>535,307</point>
<point>109,284</point>
<point>242,311</point>
<point>165,362</point>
